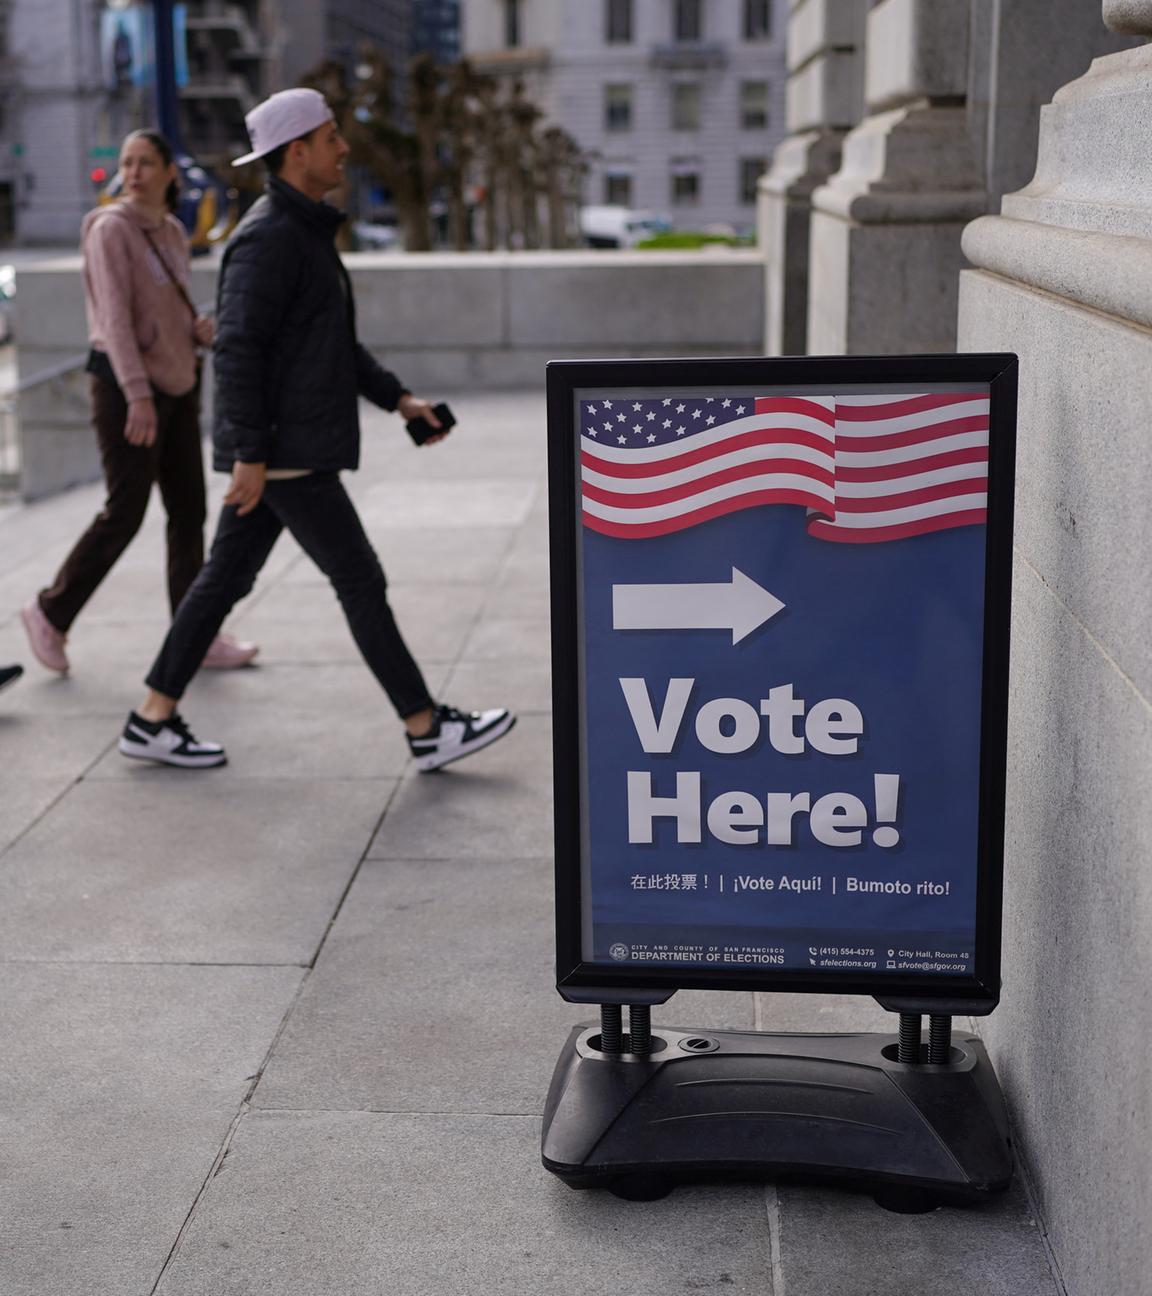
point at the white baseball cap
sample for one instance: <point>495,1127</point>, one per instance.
<point>283,117</point>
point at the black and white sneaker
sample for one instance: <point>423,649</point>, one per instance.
<point>458,733</point>
<point>9,675</point>
<point>169,741</point>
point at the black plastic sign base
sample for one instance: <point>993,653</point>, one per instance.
<point>834,1109</point>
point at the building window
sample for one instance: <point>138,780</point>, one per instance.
<point>757,19</point>
<point>618,107</point>
<point>618,189</point>
<point>617,22</point>
<point>754,105</point>
<point>751,169</point>
<point>686,105</point>
<point>688,20</point>
<point>685,188</point>
<point>512,23</point>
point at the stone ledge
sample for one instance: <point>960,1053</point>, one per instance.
<point>1107,272</point>
<point>908,166</point>
<point>881,208</point>
<point>801,163</point>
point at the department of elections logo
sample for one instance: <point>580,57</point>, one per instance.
<point>619,951</point>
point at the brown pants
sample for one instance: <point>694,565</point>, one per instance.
<point>174,463</point>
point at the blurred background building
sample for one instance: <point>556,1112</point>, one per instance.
<point>55,105</point>
<point>436,29</point>
<point>76,75</point>
<point>680,103</point>
<point>240,51</point>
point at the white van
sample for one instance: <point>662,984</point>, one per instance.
<point>620,226</point>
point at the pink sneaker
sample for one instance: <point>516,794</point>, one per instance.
<point>226,653</point>
<point>46,642</point>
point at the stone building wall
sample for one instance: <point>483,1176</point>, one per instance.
<point>953,126</point>
<point>825,98</point>
<point>1063,277</point>
<point>57,108</point>
<point>569,65</point>
<point>907,119</point>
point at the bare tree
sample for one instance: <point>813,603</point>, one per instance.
<point>564,168</point>
<point>331,80</point>
<point>393,154</point>
<point>492,162</point>
<point>463,121</point>
<point>462,132</point>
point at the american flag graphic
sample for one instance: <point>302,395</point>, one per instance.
<point>869,468</point>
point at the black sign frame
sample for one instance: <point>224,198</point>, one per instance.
<point>582,981</point>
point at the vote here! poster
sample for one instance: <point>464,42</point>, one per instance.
<point>781,599</point>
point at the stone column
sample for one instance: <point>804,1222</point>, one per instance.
<point>825,100</point>
<point>1063,277</point>
<point>885,245</point>
<point>1015,68</point>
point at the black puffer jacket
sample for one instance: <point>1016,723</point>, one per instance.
<point>287,364</point>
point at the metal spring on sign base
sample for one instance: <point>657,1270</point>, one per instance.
<point>640,1029</point>
<point>611,1028</point>
<point>939,1039</point>
<point>909,1048</point>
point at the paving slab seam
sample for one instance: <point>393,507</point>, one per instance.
<point>213,1171</point>
<point>775,1253</point>
<point>246,1102</point>
<point>335,914</point>
<point>246,1106</point>
<point>72,783</point>
<point>1059,1287</point>
<point>490,588</point>
<point>1023,1173</point>
<point>47,809</point>
<point>234,1125</point>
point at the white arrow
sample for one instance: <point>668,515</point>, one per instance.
<point>740,606</point>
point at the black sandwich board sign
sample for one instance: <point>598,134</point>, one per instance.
<point>780,646</point>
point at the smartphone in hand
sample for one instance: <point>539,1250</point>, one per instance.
<point>419,429</point>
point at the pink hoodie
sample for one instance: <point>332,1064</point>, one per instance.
<point>135,312</point>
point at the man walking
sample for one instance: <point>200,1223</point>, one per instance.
<point>288,371</point>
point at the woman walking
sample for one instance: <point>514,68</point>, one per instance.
<point>145,333</point>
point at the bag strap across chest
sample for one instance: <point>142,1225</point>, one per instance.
<point>168,271</point>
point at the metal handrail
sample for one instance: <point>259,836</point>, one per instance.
<point>9,410</point>
<point>63,367</point>
<point>59,370</point>
<point>10,457</point>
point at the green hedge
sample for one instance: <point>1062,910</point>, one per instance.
<point>690,241</point>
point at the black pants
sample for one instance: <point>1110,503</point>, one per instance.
<point>316,510</point>
<point>173,461</point>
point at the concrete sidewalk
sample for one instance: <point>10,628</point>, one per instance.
<point>287,1027</point>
